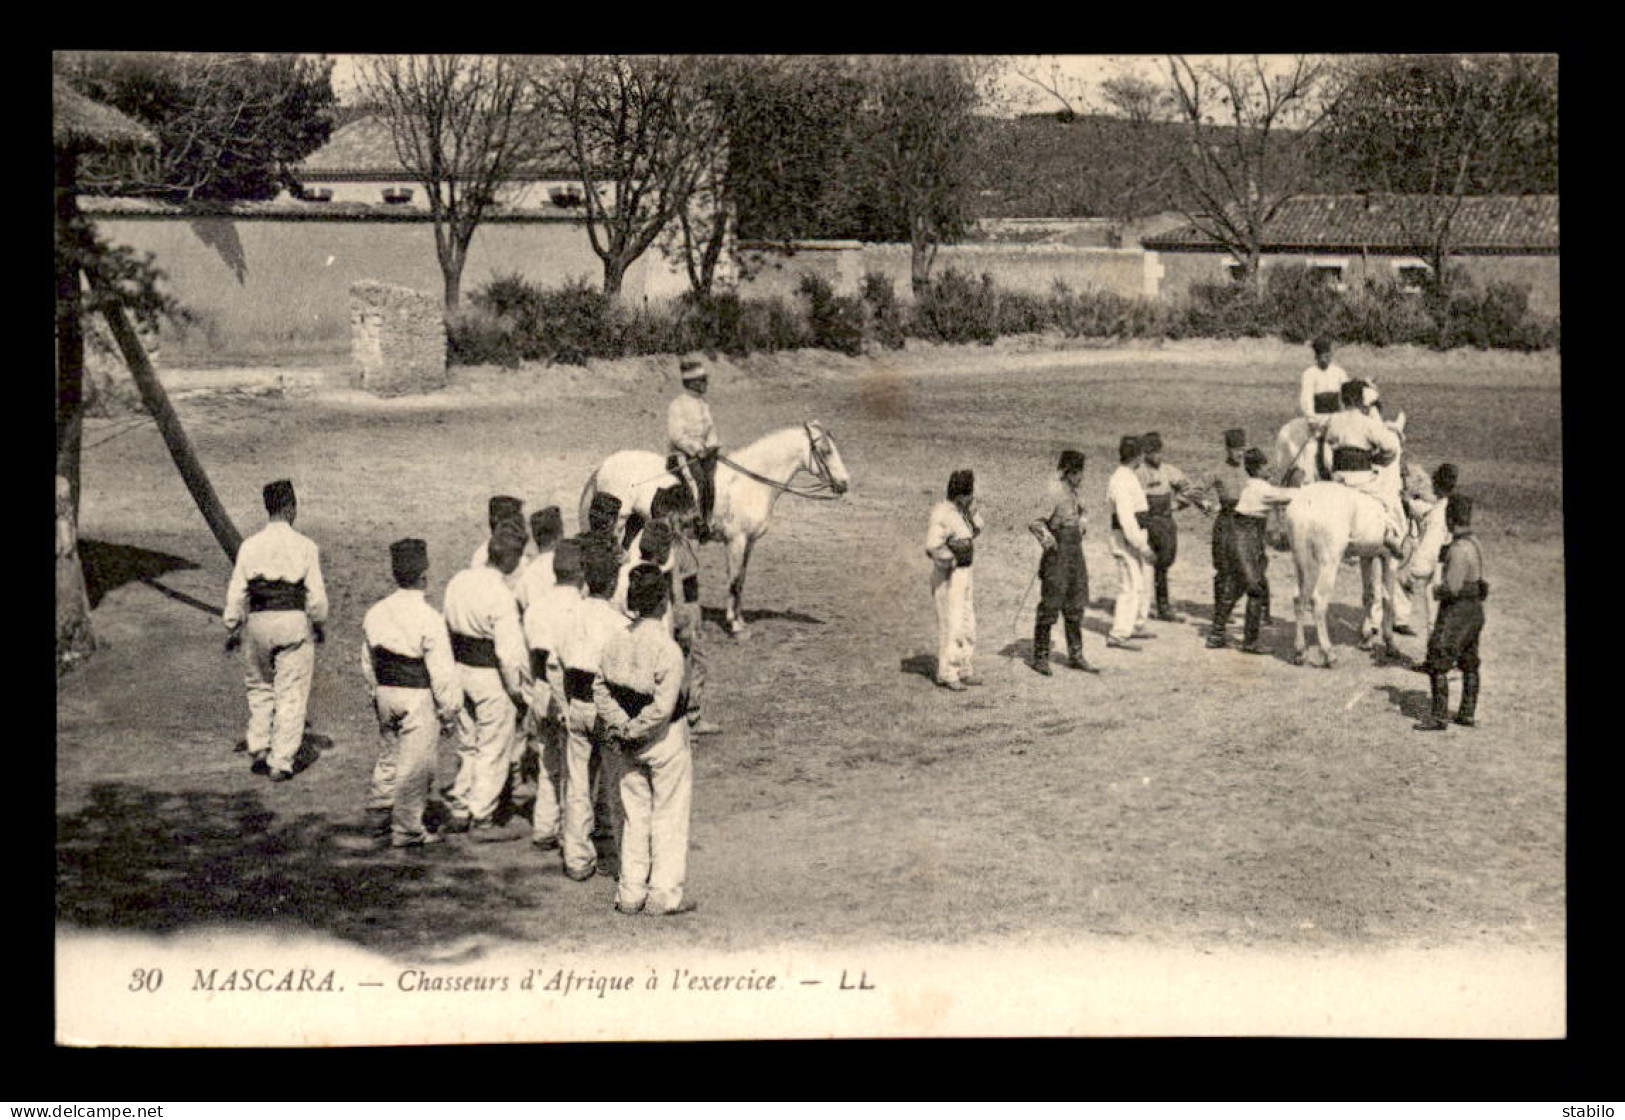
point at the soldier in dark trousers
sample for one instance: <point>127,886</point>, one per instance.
<point>1222,488</point>
<point>1248,557</point>
<point>1454,641</point>
<point>1165,486</point>
<point>1063,574</point>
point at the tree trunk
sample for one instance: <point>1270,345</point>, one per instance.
<point>70,334</point>
<point>169,424</point>
<point>451,271</point>
<point>74,637</point>
<point>614,273</point>
<point>921,255</point>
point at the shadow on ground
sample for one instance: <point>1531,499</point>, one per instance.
<point>110,566</point>
<point>922,664</point>
<point>1413,703</point>
<point>719,617</point>
<point>152,861</point>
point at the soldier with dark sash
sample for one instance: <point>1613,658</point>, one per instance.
<point>547,617</point>
<point>1319,388</point>
<point>575,662</point>
<point>276,608</point>
<point>692,436</point>
<point>1248,560</point>
<point>638,694</point>
<point>1223,486</point>
<point>406,658</point>
<point>536,576</point>
<point>1454,641</point>
<point>505,507</point>
<point>1360,443</point>
<point>489,646</point>
<point>1062,572</point>
<point>1165,488</point>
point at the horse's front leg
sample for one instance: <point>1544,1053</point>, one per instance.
<point>738,559</point>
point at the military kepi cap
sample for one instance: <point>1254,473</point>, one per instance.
<point>645,589</point>
<point>961,484</point>
<point>278,495</point>
<point>1235,437</point>
<point>502,506</point>
<point>1151,442</point>
<point>546,524</point>
<point>567,559</point>
<point>408,559</point>
<point>507,543</point>
<point>656,543</point>
<point>599,565</point>
<point>1071,460</point>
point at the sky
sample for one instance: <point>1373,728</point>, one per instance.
<point>1075,74</point>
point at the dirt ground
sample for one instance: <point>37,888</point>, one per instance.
<point>1182,797</point>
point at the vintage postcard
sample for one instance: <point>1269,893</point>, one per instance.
<point>897,547</point>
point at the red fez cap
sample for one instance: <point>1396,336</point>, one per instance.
<point>645,589</point>
<point>567,559</point>
<point>408,559</point>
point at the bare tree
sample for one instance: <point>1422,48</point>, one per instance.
<point>916,142</point>
<point>1249,131</point>
<point>1137,99</point>
<point>1438,129</point>
<point>462,126</point>
<point>642,134</point>
<point>1045,73</point>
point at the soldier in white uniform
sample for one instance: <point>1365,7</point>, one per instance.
<point>1359,443</point>
<point>489,647</point>
<point>406,658</point>
<point>536,576</point>
<point>574,661</point>
<point>549,615</point>
<point>950,543</point>
<point>1319,388</point>
<point>1130,548</point>
<point>638,694</point>
<point>276,608</point>
<point>692,436</point>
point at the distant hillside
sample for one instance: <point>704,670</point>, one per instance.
<point>1091,166</point>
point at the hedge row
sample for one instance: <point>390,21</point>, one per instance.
<point>510,320</point>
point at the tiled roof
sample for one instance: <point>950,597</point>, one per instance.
<point>364,149</point>
<point>1491,223</point>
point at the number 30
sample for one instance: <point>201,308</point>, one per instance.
<point>146,979</point>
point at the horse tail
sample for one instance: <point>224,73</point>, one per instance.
<point>588,493</point>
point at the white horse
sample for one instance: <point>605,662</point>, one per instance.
<point>1325,522</point>
<point>748,485</point>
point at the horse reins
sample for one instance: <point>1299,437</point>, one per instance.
<point>824,492</point>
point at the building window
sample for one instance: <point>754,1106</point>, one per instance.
<point>318,194</point>
<point>1329,271</point>
<point>566,197</point>
<point>1235,270</point>
<point>1411,275</point>
<point>396,196</point>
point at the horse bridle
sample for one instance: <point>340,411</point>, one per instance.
<point>824,492</point>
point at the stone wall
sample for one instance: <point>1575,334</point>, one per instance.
<point>397,338</point>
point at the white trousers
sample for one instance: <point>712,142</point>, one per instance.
<point>279,657</point>
<point>549,740</point>
<point>1133,603</point>
<point>485,744</point>
<point>408,734</point>
<point>657,793</point>
<point>576,817</point>
<point>955,596</point>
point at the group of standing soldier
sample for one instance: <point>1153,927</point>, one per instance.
<point>1142,495</point>
<point>582,654</point>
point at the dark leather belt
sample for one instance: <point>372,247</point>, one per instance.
<point>538,664</point>
<point>397,670</point>
<point>275,595</point>
<point>1350,459</point>
<point>481,653</point>
<point>1251,520</point>
<point>691,589</point>
<point>578,684</point>
<point>1328,403</point>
